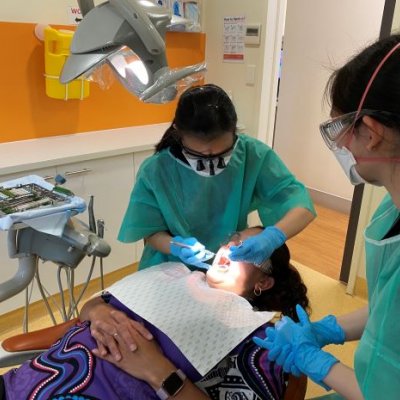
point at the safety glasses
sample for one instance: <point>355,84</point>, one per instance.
<point>335,129</point>
<point>197,155</point>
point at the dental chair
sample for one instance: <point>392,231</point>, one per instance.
<point>41,224</point>
<point>67,250</point>
<point>44,338</point>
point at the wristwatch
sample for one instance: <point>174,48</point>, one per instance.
<point>171,385</point>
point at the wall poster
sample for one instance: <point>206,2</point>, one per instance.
<point>234,31</point>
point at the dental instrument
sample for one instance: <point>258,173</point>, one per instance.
<point>41,224</point>
<point>40,221</point>
<point>208,255</point>
<point>128,36</point>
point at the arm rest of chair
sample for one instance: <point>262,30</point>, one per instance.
<point>41,339</point>
<point>296,388</point>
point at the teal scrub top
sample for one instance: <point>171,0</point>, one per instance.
<point>170,196</point>
<point>377,359</point>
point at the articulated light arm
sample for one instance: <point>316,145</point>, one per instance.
<point>126,34</point>
<point>85,6</point>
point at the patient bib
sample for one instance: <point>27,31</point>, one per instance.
<point>204,323</point>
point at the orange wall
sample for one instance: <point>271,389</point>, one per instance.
<point>26,112</point>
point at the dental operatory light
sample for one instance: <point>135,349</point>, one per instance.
<point>128,65</point>
<point>129,37</point>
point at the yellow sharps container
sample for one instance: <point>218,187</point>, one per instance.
<point>56,50</point>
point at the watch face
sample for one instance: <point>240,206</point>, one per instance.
<point>172,384</point>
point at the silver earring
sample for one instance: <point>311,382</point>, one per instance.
<point>257,292</point>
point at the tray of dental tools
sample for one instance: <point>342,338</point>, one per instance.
<point>29,196</point>
<point>33,197</point>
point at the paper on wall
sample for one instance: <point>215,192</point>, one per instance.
<point>234,32</point>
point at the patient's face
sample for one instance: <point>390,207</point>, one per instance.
<point>233,276</point>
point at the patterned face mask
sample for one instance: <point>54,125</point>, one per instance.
<point>208,165</point>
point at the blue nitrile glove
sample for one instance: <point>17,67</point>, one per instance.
<point>301,348</point>
<point>256,249</point>
<point>277,341</point>
<point>308,356</point>
<point>194,255</point>
<point>328,331</point>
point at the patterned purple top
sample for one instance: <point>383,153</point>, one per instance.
<point>68,370</point>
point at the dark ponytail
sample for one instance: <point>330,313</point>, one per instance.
<point>347,84</point>
<point>169,139</point>
<point>205,112</point>
<point>288,289</point>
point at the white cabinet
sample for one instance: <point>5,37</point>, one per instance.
<point>110,181</point>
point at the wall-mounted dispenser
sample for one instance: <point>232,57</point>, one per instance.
<point>56,50</point>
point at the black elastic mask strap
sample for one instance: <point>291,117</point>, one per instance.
<point>200,165</point>
<point>221,163</point>
<point>212,169</point>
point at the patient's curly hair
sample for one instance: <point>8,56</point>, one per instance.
<point>288,290</point>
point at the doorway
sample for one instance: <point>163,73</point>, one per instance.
<point>318,37</point>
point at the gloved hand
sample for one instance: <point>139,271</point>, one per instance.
<point>308,356</point>
<point>194,255</point>
<point>278,341</point>
<point>296,345</point>
<point>258,248</point>
<point>279,348</point>
<point>328,331</point>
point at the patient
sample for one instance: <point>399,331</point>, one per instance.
<point>127,365</point>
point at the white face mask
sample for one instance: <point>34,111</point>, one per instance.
<point>348,163</point>
<point>207,166</point>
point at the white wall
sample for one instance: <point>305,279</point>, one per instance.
<point>40,11</point>
<point>231,76</point>
<point>319,35</point>
<point>396,18</point>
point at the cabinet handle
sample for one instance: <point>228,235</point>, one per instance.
<point>78,172</point>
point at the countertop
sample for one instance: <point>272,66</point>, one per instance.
<point>31,154</point>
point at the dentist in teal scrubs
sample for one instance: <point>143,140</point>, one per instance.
<point>196,191</point>
<point>203,181</point>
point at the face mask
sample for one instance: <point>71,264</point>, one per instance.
<point>348,163</point>
<point>206,166</point>
<point>209,165</point>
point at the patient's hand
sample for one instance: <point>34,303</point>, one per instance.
<point>149,364</point>
<point>146,363</point>
<point>107,323</point>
